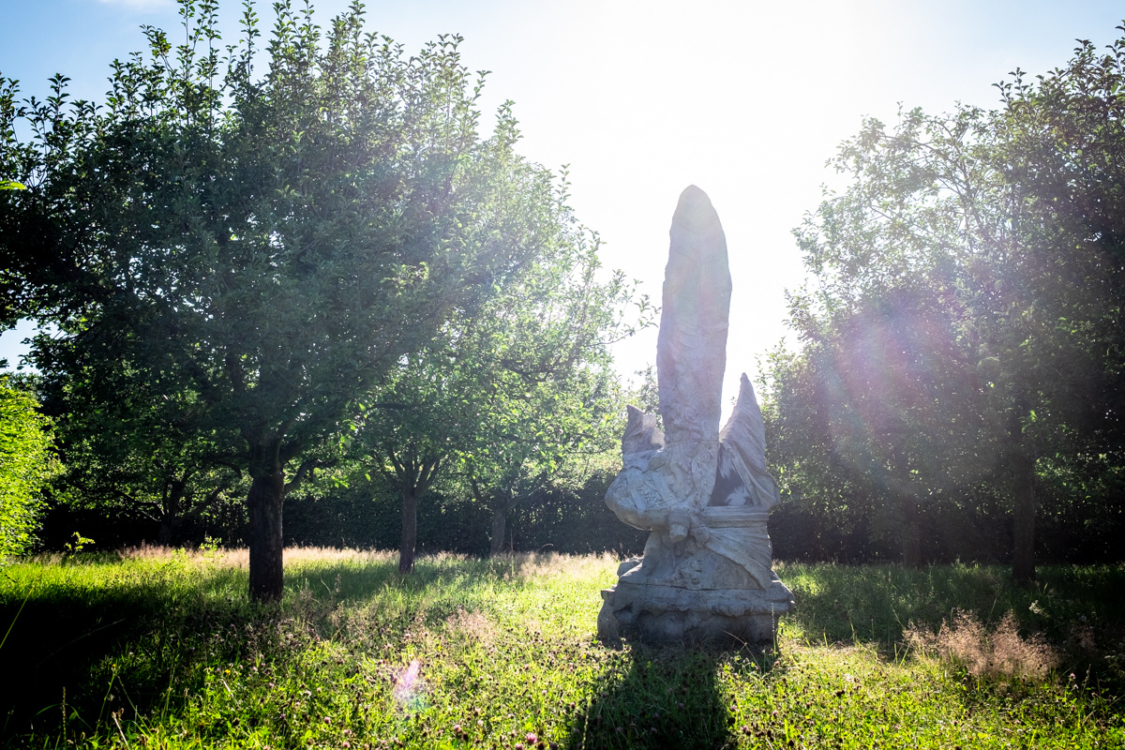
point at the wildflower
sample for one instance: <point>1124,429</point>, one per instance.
<point>457,729</point>
<point>531,738</point>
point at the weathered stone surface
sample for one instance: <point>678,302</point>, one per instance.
<point>705,495</point>
<point>691,350</point>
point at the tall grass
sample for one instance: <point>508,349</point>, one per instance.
<point>155,648</point>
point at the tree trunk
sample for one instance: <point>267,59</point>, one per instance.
<point>904,493</point>
<point>409,531</point>
<point>1022,467</point>
<point>1023,516</point>
<point>499,525</point>
<point>911,533</point>
<point>164,536</point>
<point>267,576</point>
<point>171,511</point>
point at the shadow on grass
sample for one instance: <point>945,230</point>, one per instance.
<point>68,644</point>
<point>1078,611</point>
<point>651,697</point>
<point>876,604</point>
<point>101,634</point>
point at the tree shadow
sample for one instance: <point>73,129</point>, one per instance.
<point>127,641</point>
<point>658,697</point>
<point>57,649</point>
<point>876,604</point>
<point>136,640</point>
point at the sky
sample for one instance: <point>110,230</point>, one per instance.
<point>747,100</point>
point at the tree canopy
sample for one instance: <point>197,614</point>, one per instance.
<point>512,391</point>
<point>265,251</point>
<point>964,327</point>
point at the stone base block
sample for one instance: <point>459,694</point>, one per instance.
<point>668,614</point>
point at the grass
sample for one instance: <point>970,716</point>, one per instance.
<point>161,649</point>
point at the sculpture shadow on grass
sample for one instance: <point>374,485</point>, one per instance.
<point>658,697</point>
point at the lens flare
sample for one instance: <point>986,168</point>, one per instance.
<point>408,686</point>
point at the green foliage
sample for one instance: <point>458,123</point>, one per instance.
<point>77,543</point>
<point>550,413</point>
<point>160,650</point>
<point>253,255</point>
<point>962,338</point>
<point>515,397</point>
<point>26,464</point>
<point>133,451</point>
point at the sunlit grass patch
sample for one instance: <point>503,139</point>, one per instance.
<point>161,649</point>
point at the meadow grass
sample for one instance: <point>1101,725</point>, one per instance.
<point>158,648</point>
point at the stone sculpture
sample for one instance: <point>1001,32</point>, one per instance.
<point>705,495</point>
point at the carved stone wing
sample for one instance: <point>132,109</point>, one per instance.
<point>741,478</point>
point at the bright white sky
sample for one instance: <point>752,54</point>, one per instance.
<point>641,98</point>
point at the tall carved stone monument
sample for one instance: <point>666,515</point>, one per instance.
<point>704,494</point>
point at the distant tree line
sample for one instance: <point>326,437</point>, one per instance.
<point>572,520</point>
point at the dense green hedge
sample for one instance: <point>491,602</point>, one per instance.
<point>367,516</point>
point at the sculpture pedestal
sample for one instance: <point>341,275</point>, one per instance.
<point>686,592</point>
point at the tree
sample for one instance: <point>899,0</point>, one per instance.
<point>409,434</point>
<point>1003,224</point>
<point>882,405</point>
<point>26,464</point>
<point>548,399</point>
<point>539,435</point>
<point>523,383</point>
<point>1062,147</point>
<point>130,447</point>
<point>276,245</point>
